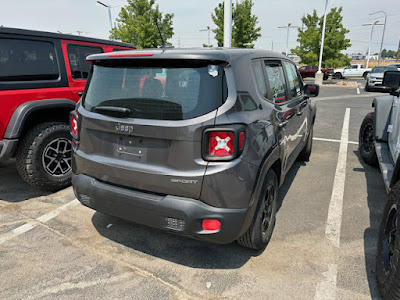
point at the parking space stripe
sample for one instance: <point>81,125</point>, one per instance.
<point>326,289</point>
<point>334,221</point>
<point>29,226</point>
<point>358,91</point>
<point>333,141</point>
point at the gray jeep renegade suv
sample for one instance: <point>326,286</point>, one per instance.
<point>193,141</point>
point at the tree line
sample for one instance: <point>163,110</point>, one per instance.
<point>136,24</point>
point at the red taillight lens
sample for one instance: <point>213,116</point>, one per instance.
<point>211,224</point>
<point>74,126</point>
<point>241,140</point>
<point>220,143</point>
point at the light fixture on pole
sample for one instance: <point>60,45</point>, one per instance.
<point>287,35</point>
<point>209,32</point>
<point>370,41</point>
<point>228,23</point>
<point>383,34</point>
<point>109,12</point>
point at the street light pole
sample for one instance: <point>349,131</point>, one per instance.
<point>228,23</point>
<point>109,12</point>
<point>383,34</point>
<point>209,34</point>
<point>323,39</point>
<point>370,41</point>
<point>287,35</point>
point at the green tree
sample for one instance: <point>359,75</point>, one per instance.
<point>388,53</point>
<point>136,24</point>
<point>244,24</point>
<point>335,40</point>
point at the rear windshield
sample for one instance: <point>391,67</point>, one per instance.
<point>156,89</point>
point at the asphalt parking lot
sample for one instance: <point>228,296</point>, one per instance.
<point>323,246</point>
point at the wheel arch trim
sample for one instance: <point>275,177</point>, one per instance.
<point>22,113</point>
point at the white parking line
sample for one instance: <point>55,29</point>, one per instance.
<point>334,141</point>
<point>334,221</point>
<point>327,288</point>
<point>29,226</point>
<point>358,91</point>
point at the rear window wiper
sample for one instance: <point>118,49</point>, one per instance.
<point>113,110</point>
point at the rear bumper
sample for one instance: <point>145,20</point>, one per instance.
<point>7,148</point>
<point>166,212</point>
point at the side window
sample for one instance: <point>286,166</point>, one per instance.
<point>26,60</point>
<point>354,67</point>
<point>362,67</point>
<point>260,78</point>
<point>294,82</point>
<point>314,67</point>
<point>276,80</point>
<point>77,59</point>
<point>303,68</point>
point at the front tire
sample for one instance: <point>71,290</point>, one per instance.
<point>387,261</point>
<point>366,140</point>
<point>338,76</point>
<point>43,157</point>
<point>260,231</point>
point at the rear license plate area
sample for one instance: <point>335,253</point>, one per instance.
<point>132,147</point>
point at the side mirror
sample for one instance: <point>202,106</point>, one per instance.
<point>391,79</point>
<point>312,90</point>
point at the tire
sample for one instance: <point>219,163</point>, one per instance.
<point>43,156</point>
<point>365,75</point>
<point>306,152</point>
<point>366,140</point>
<point>338,76</point>
<point>260,231</point>
<point>387,260</point>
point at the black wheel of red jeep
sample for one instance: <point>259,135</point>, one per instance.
<point>260,231</point>
<point>387,261</point>
<point>366,140</point>
<point>306,152</point>
<point>43,157</point>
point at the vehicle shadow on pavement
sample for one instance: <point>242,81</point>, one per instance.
<point>376,201</point>
<point>290,176</point>
<point>171,247</point>
<point>13,188</point>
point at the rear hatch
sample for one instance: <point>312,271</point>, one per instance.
<point>141,123</point>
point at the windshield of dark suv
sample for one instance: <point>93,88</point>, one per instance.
<point>157,89</point>
<point>382,69</point>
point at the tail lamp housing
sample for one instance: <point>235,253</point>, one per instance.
<point>223,144</point>
<point>74,129</point>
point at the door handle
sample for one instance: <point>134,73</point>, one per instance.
<point>282,124</point>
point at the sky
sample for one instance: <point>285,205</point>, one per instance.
<point>191,16</point>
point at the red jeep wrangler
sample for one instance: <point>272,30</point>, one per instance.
<point>42,75</point>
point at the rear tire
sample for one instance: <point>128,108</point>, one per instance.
<point>260,231</point>
<point>43,156</point>
<point>306,152</point>
<point>366,140</point>
<point>387,260</point>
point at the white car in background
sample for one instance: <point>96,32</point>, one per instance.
<point>375,78</point>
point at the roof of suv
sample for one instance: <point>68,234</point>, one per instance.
<point>26,32</point>
<point>218,54</point>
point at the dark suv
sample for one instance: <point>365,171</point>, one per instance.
<point>195,142</point>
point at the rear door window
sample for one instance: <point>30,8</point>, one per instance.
<point>157,89</point>
<point>77,54</point>
<point>276,81</point>
<point>26,60</point>
<point>294,81</point>
<point>260,78</point>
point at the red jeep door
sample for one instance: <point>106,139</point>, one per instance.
<point>75,53</point>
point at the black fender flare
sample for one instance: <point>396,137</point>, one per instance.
<point>270,159</point>
<point>23,111</point>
